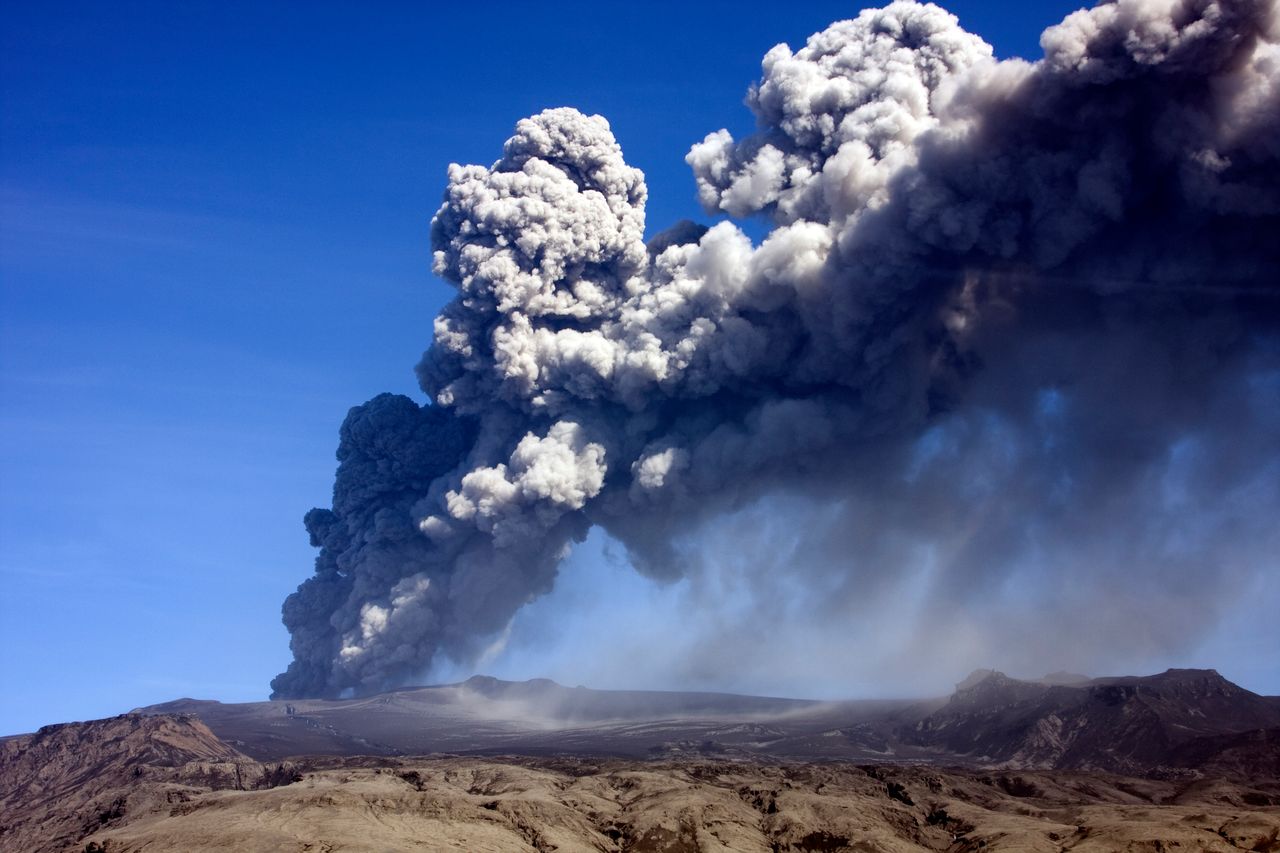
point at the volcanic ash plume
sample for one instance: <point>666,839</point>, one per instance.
<point>1013,321</point>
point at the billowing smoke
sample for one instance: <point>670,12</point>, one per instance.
<point>1014,323</point>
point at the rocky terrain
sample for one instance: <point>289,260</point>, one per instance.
<point>65,781</point>
<point>224,803</point>
<point>1002,764</point>
<point>1179,718</point>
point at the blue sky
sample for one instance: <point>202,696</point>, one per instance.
<point>213,241</point>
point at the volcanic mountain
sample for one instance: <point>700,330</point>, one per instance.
<point>1137,725</point>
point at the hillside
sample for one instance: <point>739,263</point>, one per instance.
<point>1179,718</point>
<point>67,779</point>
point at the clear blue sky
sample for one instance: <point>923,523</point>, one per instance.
<point>214,241</point>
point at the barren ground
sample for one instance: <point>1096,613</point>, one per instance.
<point>575,805</point>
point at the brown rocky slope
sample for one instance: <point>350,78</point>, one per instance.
<point>67,781</point>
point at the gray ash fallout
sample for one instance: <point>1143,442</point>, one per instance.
<point>1014,324</point>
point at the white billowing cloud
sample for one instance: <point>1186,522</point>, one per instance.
<point>841,114</point>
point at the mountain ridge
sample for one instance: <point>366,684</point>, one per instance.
<point>1126,724</point>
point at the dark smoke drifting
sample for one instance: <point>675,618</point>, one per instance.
<point>1012,319</point>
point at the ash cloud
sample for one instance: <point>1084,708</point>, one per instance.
<point>1016,326</point>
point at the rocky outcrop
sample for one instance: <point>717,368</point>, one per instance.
<point>67,781</point>
<point>1126,725</point>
